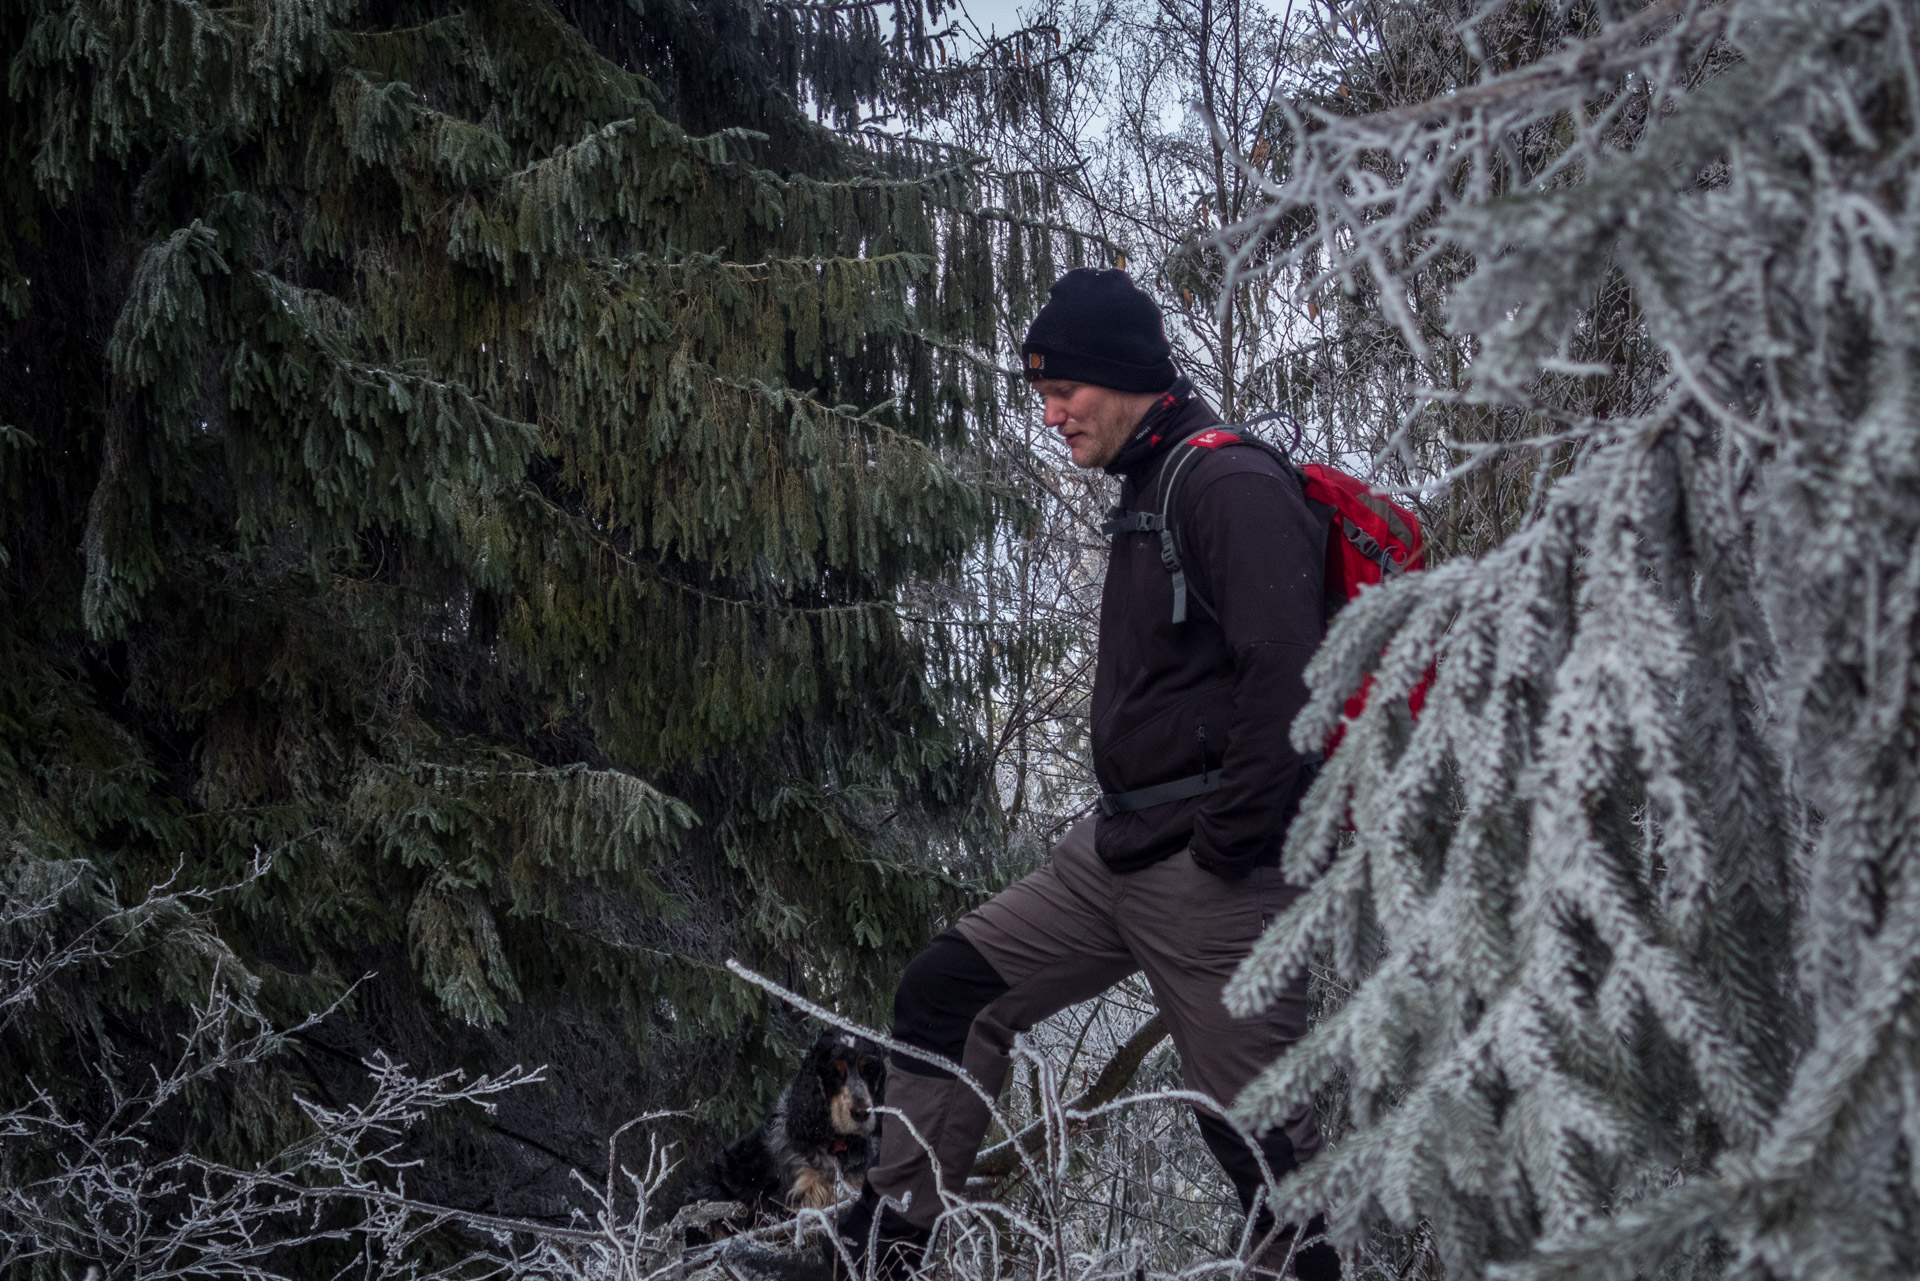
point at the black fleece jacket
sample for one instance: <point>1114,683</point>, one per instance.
<point>1221,690</point>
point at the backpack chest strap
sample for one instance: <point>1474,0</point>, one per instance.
<point>1121,521</point>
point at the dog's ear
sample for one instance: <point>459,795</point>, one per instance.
<point>810,1079</point>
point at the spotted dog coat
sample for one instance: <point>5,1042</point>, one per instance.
<point>818,1136</point>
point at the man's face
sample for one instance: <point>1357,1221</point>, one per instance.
<point>1094,421</point>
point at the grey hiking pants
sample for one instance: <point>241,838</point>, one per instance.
<point>1063,935</point>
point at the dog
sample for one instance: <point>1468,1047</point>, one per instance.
<point>819,1136</point>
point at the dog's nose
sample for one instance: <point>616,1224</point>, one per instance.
<point>861,1111</point>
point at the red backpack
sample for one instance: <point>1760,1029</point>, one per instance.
<point>1369,539</point>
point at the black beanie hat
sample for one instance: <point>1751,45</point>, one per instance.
<point>1097,327</point>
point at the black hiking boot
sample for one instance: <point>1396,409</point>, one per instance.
<point>898,1246</point>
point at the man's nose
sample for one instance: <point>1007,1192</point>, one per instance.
<point>1054,414</point>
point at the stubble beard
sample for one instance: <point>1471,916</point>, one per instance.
<point>1109,434</point>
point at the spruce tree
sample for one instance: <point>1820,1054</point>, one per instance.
<point>464,459</point>
<point>1627,914</point>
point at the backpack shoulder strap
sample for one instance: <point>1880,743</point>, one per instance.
<point>1180,460</point>
<point>1172,473</point>
<point>1160,519</point>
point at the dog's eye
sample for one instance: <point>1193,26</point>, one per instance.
<point>839,1067</point>
<point>862,1064</point>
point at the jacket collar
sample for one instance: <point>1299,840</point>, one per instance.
<point>1175,416</point>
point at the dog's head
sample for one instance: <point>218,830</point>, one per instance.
<point>852,1074</point>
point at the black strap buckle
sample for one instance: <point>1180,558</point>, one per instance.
<point>1121,521</point>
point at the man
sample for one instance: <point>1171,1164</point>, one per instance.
<point>1178,876</point>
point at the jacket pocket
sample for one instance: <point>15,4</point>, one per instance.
<point>1165,744</point>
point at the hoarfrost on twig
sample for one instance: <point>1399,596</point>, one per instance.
<point>1628,914</point>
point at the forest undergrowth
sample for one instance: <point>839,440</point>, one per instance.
<point>1089,1187</point>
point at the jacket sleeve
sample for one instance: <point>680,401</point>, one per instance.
<point>1260,559</point>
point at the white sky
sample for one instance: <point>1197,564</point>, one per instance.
<point>994,15</point>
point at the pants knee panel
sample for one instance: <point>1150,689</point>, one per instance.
<point>940,993</point>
